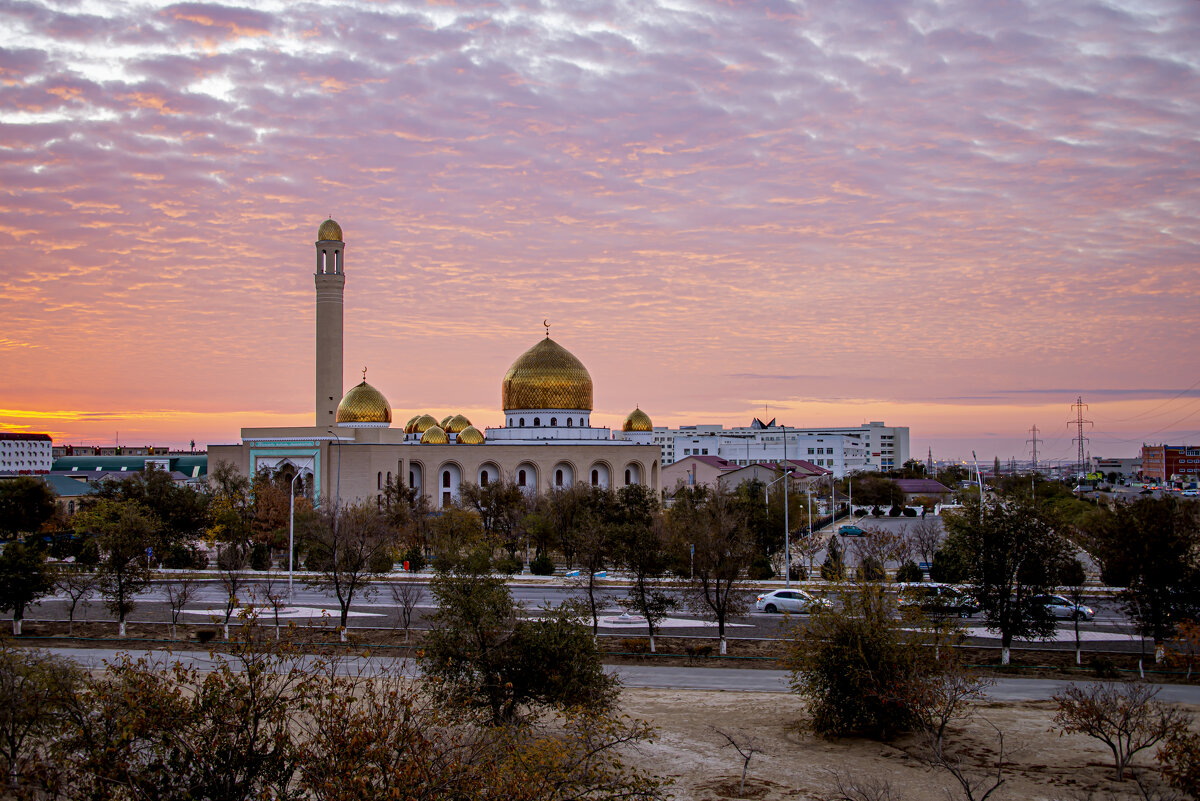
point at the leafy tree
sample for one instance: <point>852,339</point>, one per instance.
<point>231,508</point>
<point>875,490</point>
<point>25,504</point>
<point>501,506</point>
<point>712,522</point>
<point>24,577</point>
<point>344,547</point>
<point>1152,547</point>
<point>1010,554</point>
<point>182,512</point>
<point>591,539</point>
<point>1179,757</point>
<point>78,584</point>
<point>34,689</point>
<point>1072,578</point>
<point>123,533</point>
<point>834,566</point>
<point>479,655</point>
<point>1126,717</point>
<point>909,572</point>
<point>642,544</point>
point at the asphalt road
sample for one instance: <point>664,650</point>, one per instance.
<point>640,676</point>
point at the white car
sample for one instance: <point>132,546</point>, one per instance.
<point>1059,607</point>
<point>788,601</point>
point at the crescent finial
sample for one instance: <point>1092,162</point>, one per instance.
<point>547,324</point>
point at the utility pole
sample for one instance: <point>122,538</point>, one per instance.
<point>1034,433</point>
<point>1078,407</point>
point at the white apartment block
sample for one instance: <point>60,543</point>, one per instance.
<point>871,446</point>
<point>25,454</point>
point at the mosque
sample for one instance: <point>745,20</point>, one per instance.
<point>352,450</point>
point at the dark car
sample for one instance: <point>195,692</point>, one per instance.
<point>938,599</point>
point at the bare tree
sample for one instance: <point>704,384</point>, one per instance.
<point>232,561</point>
<point>973,788</point>
<point>79,585</point>
<point>276,591</point>
<point>181,590</point>
<point>406,594</point>
<point>846,787</point>
<point>746,750</point>
<point>877,547</point>
<point>925,535</point>
<point>1124,716</point>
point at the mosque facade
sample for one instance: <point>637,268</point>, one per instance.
<point>354,449</point>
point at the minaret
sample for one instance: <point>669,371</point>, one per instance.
<point>331,285</point>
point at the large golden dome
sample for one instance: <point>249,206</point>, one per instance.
<point>329,232</point>
<point>364,405</point>
<point>470,436</point>
<point>637,421</point>
<point>434,435</point>
<point>547,376</point>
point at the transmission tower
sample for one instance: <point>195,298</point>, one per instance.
<point>1078,407</point>
<point>1034,433</point>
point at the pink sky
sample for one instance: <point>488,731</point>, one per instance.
<point>952,217</point>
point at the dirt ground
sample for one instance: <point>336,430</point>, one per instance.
<point>794,764</point>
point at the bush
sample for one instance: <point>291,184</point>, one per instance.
<point>760,569</point>
<point>799,573</point>
<point>834,566</point>
<point>542,565</point>
<point>876,511</point>
<point>895,511</point>
<point>260,557</point>
<point>381,561</point>
<point>508,565</point>
<point>1104,668</point>
<point>180,557</point>
<point>870,569</point>
<point>908,511</point>
<point>1180,760</point>
<point>415,559</point>
<point>946,569</point>
<point>910,572</point>
<point>89,553</point>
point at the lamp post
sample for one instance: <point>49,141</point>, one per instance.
<point>292,524</point>
<point>787,550</point>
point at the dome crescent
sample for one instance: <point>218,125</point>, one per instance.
<point>547,376</point>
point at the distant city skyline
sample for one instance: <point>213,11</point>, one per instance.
<point>955,219</point>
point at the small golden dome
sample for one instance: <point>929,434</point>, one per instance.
<point>456,424</point>
<point>547,376</point>
<point>364,404</point>
<point>470,436</point>
<point>434,435</point>
<point>445,420</point>
<point>408,427</point>
<point>423,424</point>
<point>637,421</point>
<point>329,232</point>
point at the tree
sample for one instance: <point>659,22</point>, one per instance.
<point>925,535</point>
<point>123,532</point>
<point>591,540</point>
<point>478,655</point>
<point>25,504</point>
<point>345,546</point>
<point>1180,760</point>
<point>34,688</point>
<point>1124,716</point>
<point>181,589</point>
<point>876,548</point>
<point>1073,577</point>
<point>501,506</point>
<point>642,544</point>
<point>78,583</point>
<point>1152,548</point>
<point>230,507</point>
<point>1010,554</point>
<point>406,594</point>
<point>181,511</point>
<point>834,566</point>
<point>24,577</point>
<point>232,561</point>
<point>710,521</point>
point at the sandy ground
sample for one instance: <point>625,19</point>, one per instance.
<point>794,764</point>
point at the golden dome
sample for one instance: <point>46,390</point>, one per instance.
<point>637,421</point>
<point>470,436</point>
<point>408,427</point>
<point>329,232</point>
<point>547,376</point>
<point>423,424</point>
<point>434,435</point>
<point>364,404</point>
<point>456,424</point>
<point>445,420</point>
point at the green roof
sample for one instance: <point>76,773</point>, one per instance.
<point>191,465</point>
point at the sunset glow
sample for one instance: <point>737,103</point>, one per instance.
<point>952,217</point>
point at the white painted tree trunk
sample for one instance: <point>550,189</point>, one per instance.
<point>225,628</point>
<point>723,646</point>
<point>1160,652</point>
<point>342,632</point>
<point>652,643</point>
<point>121,628</point>
<point>16,627</point>
<point>1004,654</point>
<point>1078,657</point>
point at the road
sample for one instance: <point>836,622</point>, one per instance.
<point>641,676</point>
<point>314,605</point>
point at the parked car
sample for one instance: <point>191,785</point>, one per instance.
<point>940,599</point>
<point>788,601</point>
<point>1059,607</point>
<point>851,531</point>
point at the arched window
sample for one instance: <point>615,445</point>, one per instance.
<point>522,422</point>
<point>379,481</point>
<point>520,478</point>
<point>569,422</point>
<point>558,478</point>
<point>70,507</point>
<point>446,479</point>
<point>553,421</point>
<point>537,421</point>
<point>595,478</point>
<point>411,478</point>
<point>510,422</point>
<point>389,478</point>
<point>627,477</point>
<point>483,478</point>
<point>581,421</point>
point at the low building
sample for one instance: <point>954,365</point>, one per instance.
<point>914,488</point>
<point>715,472</point>
<point>1171,462</point>
<point>25,454</point>
<point>1124,468</point>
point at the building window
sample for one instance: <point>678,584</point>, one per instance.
<point>510,422</point>
<point>558,477</point>
<point>483,479</point>
<point>445,479</point>
<point>704,452</point>
<point>520,478</point>
<point>580,421</point>
<point>389,478</point>
<point>537,421</point>
<point>70,507</point>
<point>411,478</point>
<point>569,421</point>
<point>379,481</point>
<point>595,478</point>
<point>445,499</point>
<point>687,451</point>
<point>554,422</point>
<point>810,451</point>
<point>522,422</point>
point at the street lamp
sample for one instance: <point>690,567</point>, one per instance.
<point>787,551</point>
<point>337,501</point>
<point>292,524</point>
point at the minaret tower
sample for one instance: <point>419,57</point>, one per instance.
<point>331,285</point>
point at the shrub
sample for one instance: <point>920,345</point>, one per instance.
<point>876,511</point>
<point>870,569</point>
<point>1180,760</point>
<point>760,569</point>
<point>908,511</point>
<point>89,553</point>
<point>834,567</point>
<point>415,559</point>
<point>799,573</point>
<point>542,565</point>
<point>508,565</point>
<point>381,561</point>
<point>946,569</point>
<point>632,646</point>
<point>260,557</point>
<point>1104,668</point>
<point>895,511</point>
<point>910,572</point>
